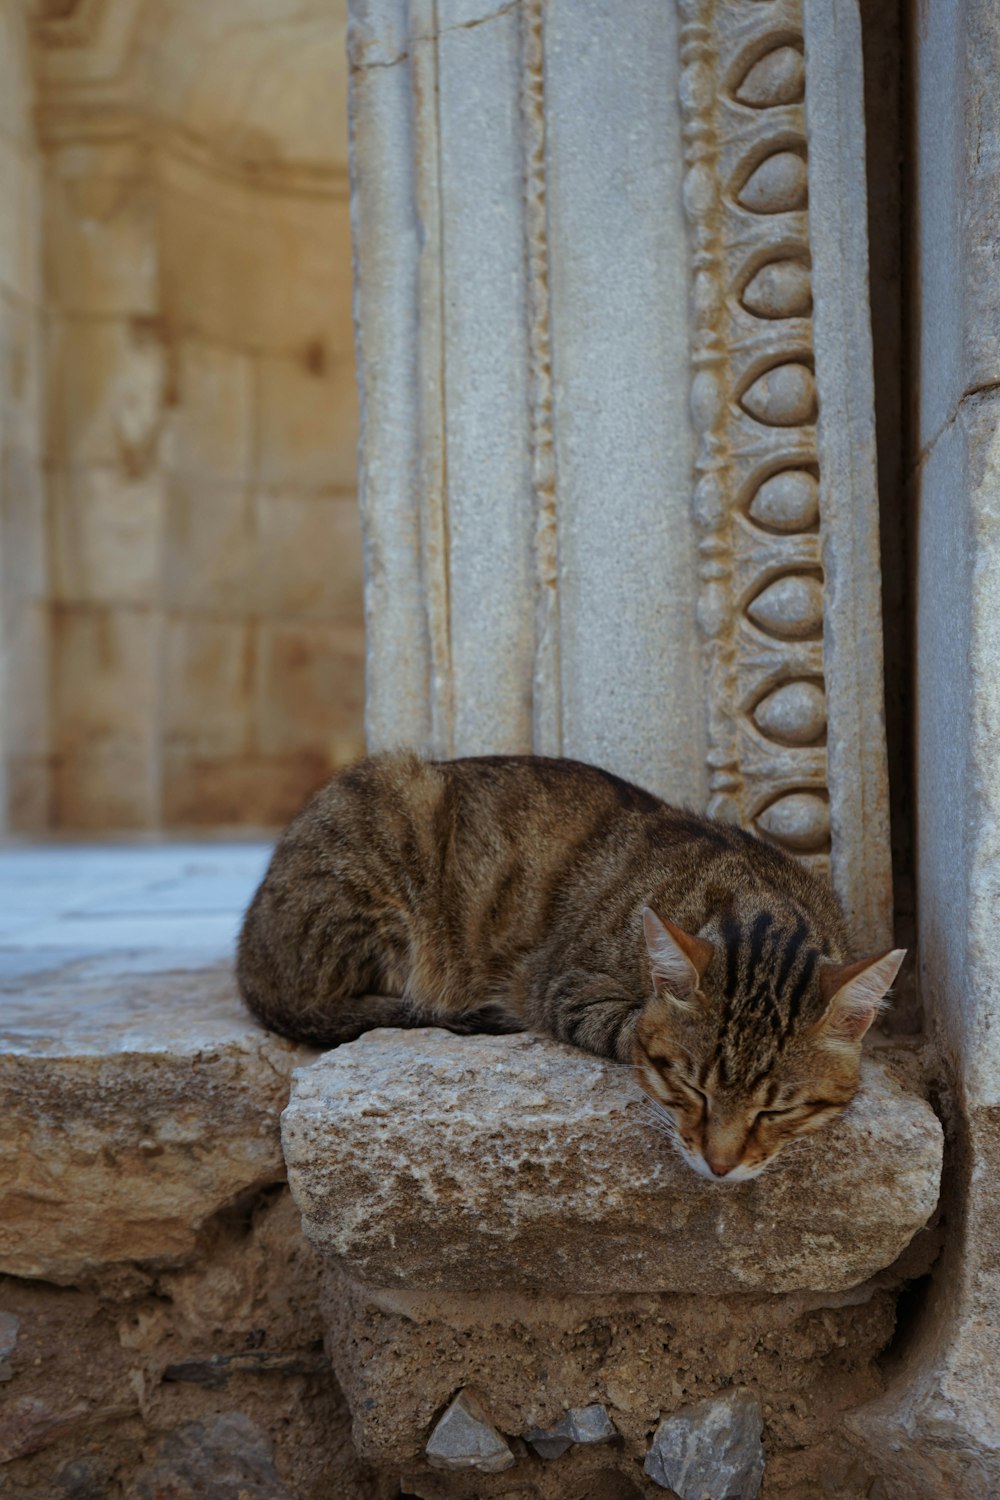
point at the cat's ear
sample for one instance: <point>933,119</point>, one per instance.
<point>854,995</point>
<point>677,960</point>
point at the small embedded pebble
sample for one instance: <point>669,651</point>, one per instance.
<point>710,1450</point>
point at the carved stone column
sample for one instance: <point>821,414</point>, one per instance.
<point>618,485</point>
<point>618,450</point>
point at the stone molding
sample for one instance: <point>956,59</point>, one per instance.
<point>784,501</point>
<point>533,463</point>
<point>95,82</point>
<point>547,710</point>
<point>68,124</point>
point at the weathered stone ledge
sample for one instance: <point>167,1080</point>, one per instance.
<point>427,1161</point>
<point>135,1106</point>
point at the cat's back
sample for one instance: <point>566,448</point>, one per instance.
<point>525,795</point>
<point>397,811</point>
<point>518,795</point>
<point>455,849</point>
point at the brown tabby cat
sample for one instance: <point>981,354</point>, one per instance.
<point>515,892</point>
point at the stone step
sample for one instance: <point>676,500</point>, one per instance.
<point>427,1161</point>
<point>138,1097</point>
<point>134,1107</point>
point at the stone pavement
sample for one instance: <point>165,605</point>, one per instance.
<point>136,907</point>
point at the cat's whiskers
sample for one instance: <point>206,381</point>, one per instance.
<point>664,1123</point>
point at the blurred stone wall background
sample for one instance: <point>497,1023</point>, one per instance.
<point>25,737</point>
<point>181,574</point>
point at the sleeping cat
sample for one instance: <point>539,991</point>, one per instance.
<point>516,892</point>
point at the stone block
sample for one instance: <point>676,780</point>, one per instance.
<point>211,419</point>
<point>210,555</point>
<point>16,94</point>
<point>207,221</point>
<point>313,307</point>
<point>21,372</point>
<point>20,228</point>
<point>101,254</point>
<point>310,556</point>
<point>109,786</point>
<point>106,536</point>
<point>262,791</point>
<point>710,1451</point>
<point>239,235</point>
<point>23,530</point>
<point>310,687</point>
<point>107,388</point>
<point>25,656</point>
<point>307,420</point>
<point>29,793</point>
<point>207,686</point>
<point>273,87</point>
<point>105,676</point>
<point>135,1107</point>
<point>520,1163</point>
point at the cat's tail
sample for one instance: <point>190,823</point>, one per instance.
<point>343,1023</point>
<point>352,1018</point>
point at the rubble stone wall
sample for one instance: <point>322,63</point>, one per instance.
<point>205,1378</point>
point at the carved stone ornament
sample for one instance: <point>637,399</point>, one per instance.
<point>770,505</point>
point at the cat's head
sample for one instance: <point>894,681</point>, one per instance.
<point>752,1037</point>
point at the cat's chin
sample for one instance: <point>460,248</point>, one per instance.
<point>738,1174</point>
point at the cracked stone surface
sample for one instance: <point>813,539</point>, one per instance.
<point>523,1164</point>
<point>138,1097</point>
<point>711,1451</point>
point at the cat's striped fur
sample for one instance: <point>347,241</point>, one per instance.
<point>509,893</point>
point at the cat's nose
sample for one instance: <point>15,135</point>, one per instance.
<point>717,1167</point>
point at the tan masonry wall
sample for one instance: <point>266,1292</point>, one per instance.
<point>201,462</point>
<point>181,629</point>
